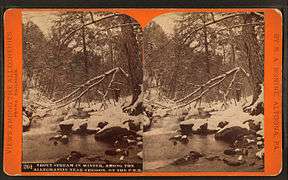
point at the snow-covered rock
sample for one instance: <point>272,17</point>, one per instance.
<point>231,134</point>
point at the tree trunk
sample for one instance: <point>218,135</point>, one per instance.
<point>206,51</point>
<point>85,49</point>
<point>135,69</point>
<point>255,63</point>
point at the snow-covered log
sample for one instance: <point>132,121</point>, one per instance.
<point>209,85</point>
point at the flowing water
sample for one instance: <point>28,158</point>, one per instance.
<point>159,151</point>
<point>38,148</point>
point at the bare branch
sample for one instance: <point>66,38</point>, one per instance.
<point>82,93</point>
<point>240,25</point>
<point>208,82</point>
<point>210,23</point>
<point>120,25</point>
<point>86,84</point>
<point>201,95</point>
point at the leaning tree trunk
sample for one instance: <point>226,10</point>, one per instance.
<point>135,69</point>
<point>255,62</point>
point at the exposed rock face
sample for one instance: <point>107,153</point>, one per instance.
<point>231,134</point>
<point>113,134</point>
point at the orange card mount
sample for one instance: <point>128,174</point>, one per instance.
<point>77,102</point>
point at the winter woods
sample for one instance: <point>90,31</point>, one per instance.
<point>78,47</point>
<point>185,87</point>
<point>201,48</point>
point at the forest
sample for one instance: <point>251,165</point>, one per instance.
<point>127,94</point>
<point>204,82</point>
<point>82,79</point>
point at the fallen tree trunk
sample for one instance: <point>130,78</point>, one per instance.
<point>84,88</point>
<point>208,86</point>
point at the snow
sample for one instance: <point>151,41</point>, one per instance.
<point>234,115</point>
<point>36,98</point>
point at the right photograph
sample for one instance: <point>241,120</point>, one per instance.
<point>204,86</point>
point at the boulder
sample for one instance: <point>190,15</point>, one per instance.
<point>112,134</point>
<point>73,157</point>
<point>92,131</point>
<point>186,127</point>
<point>184,139</point>
<point>192,157</point>
<point>66,126</point>
<point>203,130</point>
<point>232,133</point>
<point>101,125</point>
<point>64,139</point>
<point>82,129</point>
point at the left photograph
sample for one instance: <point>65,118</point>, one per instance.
<point>82,91</point>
